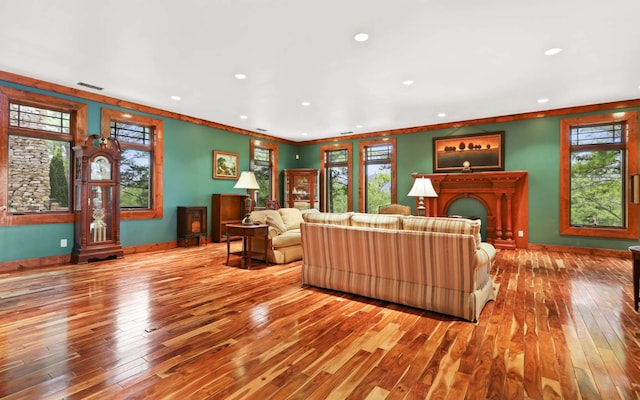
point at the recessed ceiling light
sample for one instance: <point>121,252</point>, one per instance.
<point>442,115</point>
<point>304,134</point>
<point>244,117</point>
<point>408,82</point>
<point>176,98</point>
<point>359,126</point>
<point>361,37</point>
<point>552,51</point>
<point>543,100</point>
<point>306,103</point>
<point>241,76</point>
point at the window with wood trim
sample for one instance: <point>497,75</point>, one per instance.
<point>37,134</point>
<point>141,143</point>
<point>377,174</point>
<point>598,154</point>
<point>336,188</point>
<point>264,164</point>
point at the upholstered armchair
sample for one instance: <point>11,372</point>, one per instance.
<point>394,209</point>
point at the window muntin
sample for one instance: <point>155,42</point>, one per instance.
<point>141,141</point>
<point>130,133</point>
<point>264,164</point>
<point>598,154</point>
<point>37,133</point>
<point>39,118</point>
<point>335,177</point>
<point>377,176</point>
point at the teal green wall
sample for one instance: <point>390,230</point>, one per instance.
<point>530,145</point>
<point>187,181</point>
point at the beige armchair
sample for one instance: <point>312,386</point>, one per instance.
<point>394,209</point>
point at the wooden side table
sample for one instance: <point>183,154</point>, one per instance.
<point>635,252</point>
<point>248,232</point>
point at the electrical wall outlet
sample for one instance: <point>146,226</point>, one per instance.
<point>63,242</point>
<point>520,233</point>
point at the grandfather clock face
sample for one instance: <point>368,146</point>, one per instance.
<point>100,169</point>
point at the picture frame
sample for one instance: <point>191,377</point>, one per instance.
<point>225,165</point>
<point>469,153</point>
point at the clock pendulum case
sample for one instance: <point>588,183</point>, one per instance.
<point>97,200</point>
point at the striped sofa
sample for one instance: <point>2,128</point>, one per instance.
<point>437,264</point>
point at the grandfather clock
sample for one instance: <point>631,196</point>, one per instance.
<point>97,200</point>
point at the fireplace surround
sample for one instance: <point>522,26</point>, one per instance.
<point>504,195</point>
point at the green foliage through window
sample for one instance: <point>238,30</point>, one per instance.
<point>597,176</point>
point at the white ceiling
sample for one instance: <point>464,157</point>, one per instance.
<point>467,58</point>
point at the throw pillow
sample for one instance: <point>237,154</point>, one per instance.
<point>278,225</point>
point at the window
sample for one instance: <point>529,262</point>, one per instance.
<point>37,134</point>
<point>598,155</point>
<point>141,143</point>
<point>377,174</point>
<point>335,178</point>
<point>264,164</point>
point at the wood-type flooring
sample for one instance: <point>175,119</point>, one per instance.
<point>181,324</point>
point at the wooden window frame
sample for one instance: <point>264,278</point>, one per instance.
<point>630,230</point>
<point>361,181</point>
<point>78,133</point>
<point>156,209</point>
<point>273,150</point>
<point>332,147</point>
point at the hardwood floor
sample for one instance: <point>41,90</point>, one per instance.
<point>180,324</point>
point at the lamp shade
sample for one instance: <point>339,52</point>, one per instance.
<point>247,180</point>
<point>422,187</point>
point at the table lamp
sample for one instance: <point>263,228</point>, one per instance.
<point>247,181</point>
<point>422,188</point>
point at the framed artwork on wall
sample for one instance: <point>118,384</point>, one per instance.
<point>467,153</point>
<point>225,165</point>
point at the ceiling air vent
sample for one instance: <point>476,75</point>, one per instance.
<point>90,86</point>
<point>262,130</point>
<point>346,133</point>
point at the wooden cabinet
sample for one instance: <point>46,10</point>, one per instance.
<point>192,225</point>
<point>301,188</point>
<point>225,209</point>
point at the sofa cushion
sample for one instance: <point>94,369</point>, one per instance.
<point>444,224</point>
<point>289,238</point>
<point>343,219</point>
<point>376,221</point>
<point>292,217</point>
<point>277,224</point>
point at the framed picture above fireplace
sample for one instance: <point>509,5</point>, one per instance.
<point>468,153</point>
